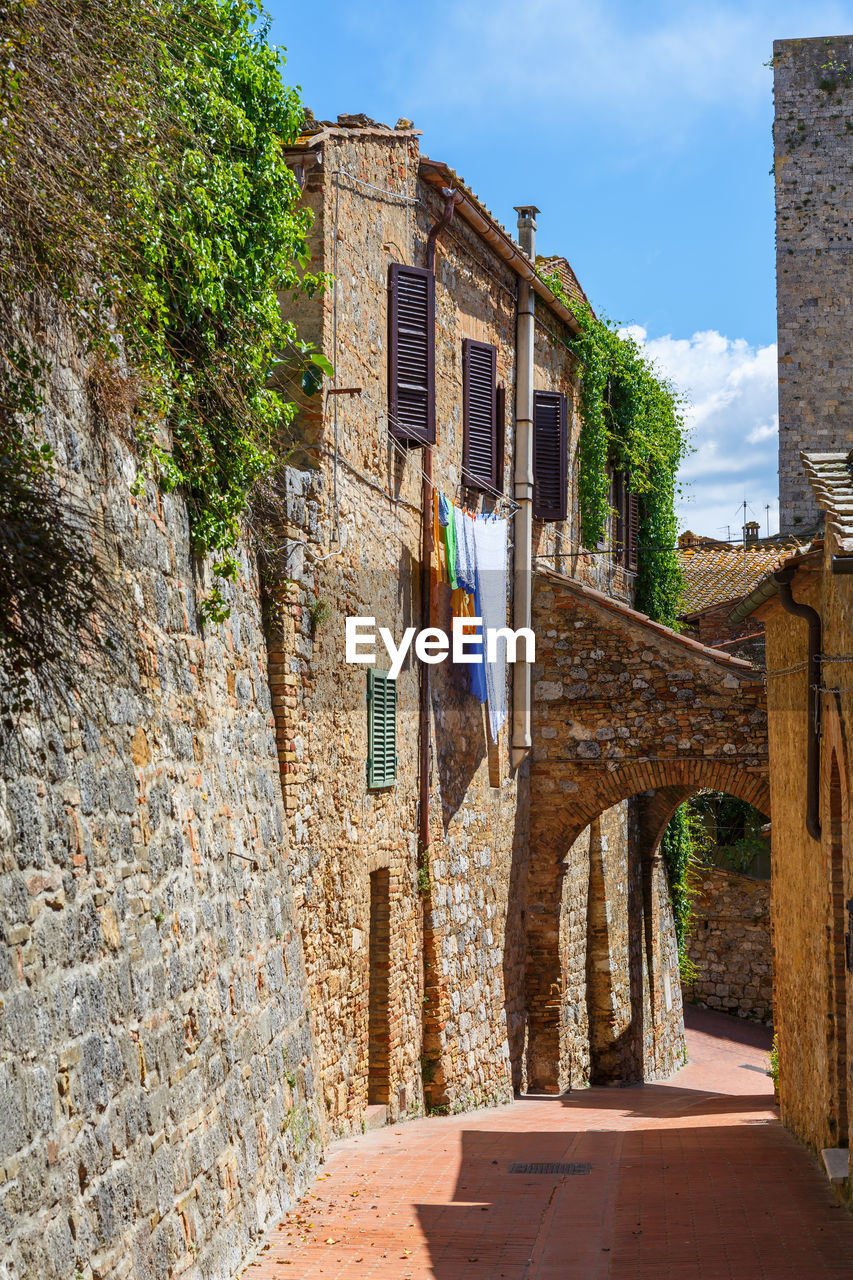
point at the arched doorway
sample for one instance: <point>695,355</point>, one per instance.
<point>631,946</point>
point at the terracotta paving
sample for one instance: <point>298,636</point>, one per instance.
<point>694,1179</point>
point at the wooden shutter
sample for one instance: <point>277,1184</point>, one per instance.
<point>627,523</point>
<point>500,427</point>
<point>632,531</point>
<point>381,729</point>
<point>617,502</point>
<point>550,456</point>
<point>411,354</point>
<point>479,414</point>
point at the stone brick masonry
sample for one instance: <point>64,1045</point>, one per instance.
<point>729,944</point>
<point>813,91</point>
<point>157,1099</point>
<point>219,946</point>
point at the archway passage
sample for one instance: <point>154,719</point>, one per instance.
<point>624,710</point>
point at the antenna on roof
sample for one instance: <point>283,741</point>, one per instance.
<point>767,516</point>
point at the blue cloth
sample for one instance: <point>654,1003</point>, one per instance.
<point>479,687</point>
<point>444,511</point>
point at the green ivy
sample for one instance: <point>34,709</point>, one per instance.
<point>146,203</point>
<point>223,232</point>
<point>677,850</point>
<point>631,420</point>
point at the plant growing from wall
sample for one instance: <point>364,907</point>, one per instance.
<point>146,206</point>
<point>632,421</point>
<point>684,843</point>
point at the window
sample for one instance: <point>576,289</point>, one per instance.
<point>480,445</point>
<point>550,456</point>
<point>411,354</point>
<point>626,522</point>
<point>381,729</point>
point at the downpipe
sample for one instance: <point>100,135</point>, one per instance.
<point>783,579</point>
<point>450,198</point>
<point>522,739</point>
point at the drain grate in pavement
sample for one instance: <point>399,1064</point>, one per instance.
<point>559,1169</point>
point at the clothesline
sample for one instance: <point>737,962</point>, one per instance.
<point>381,412</point>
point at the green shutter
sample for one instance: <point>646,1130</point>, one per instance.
<point>381,729</point>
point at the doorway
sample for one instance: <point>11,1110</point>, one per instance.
<point>379,1014</point>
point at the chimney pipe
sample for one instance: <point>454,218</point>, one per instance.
<point>527,229</point>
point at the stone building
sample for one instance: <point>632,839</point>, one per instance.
<point>254,895</point>
<point>811,85</point>
<point>806,605</point>
<point>807,611</point>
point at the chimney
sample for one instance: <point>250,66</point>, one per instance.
<point>527,229</point>
<point>750,533</point>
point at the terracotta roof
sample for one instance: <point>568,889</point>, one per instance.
<point>568,279</point>
<point>831,478</point>
<point>315,132</point>
<point>745,669</point>
<point>714,576</point>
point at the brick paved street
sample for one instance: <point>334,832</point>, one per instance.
<point>694,1179</point>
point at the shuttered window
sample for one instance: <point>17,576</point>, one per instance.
<point>627,522</point>
<point>479,415</point>
<point>381,729</point>
<point>411,354</point>
<point>550,456</point>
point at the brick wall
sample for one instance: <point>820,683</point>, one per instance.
<point>814,197</point>
<point>729,944</point>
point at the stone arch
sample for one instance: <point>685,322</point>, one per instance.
<point>560,823</point>
<point>559,817</point>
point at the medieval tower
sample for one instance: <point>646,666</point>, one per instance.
<point>813,143</point>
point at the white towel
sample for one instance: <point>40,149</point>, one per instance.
<point>490,544</point>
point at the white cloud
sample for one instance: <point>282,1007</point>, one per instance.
<point>733,419</point>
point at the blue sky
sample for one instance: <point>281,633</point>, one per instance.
<point>642,132</point>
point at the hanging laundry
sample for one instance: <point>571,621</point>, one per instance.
<point>490,536</point>
<point>447,519</point>
<point>466,565</point>
<point>477,670</point>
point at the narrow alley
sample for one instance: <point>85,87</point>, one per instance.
<point>693,1179</point>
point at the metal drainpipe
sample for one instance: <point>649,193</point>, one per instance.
<point>450,198</point>
<point>522,739</point>
<point>783,579</point>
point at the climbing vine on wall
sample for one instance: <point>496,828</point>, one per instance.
<point>631,420</point>
<point>146,204</point>
<point>677,850</point>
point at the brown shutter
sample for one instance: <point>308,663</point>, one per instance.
<point>617,501</point>
<point>632,530</point>
<point>500,427</point>
<point>479,416</point>
<point>411,353</point>
<point>550,456</point>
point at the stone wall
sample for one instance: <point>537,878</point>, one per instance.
<point>623,708</point>
<point>729,944</point>
<point>157,1097</point>
<point>814,201</point>
<point>812,879</point>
